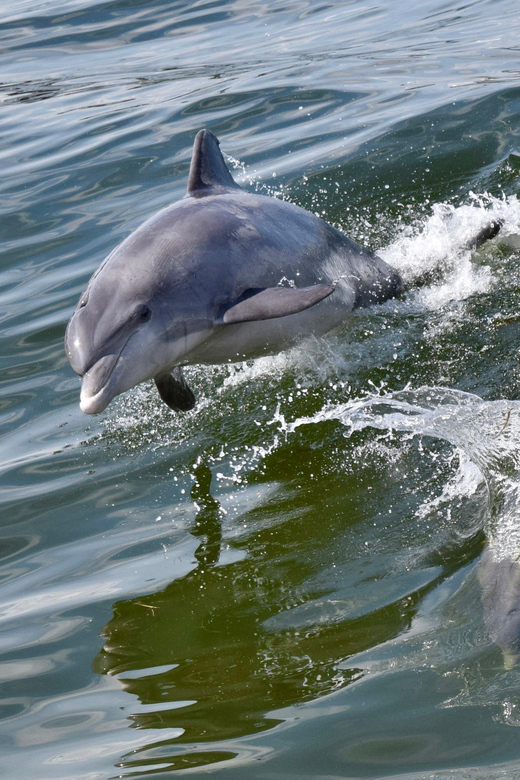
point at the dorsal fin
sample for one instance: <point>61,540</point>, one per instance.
<point>208,170</point>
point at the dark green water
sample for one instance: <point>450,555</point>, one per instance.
<point>317,610</point>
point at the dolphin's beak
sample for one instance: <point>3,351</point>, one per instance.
<point>96,389</point>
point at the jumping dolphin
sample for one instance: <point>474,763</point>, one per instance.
<point>222,275</point>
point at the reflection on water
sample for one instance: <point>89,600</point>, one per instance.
<point>218,668</point>
<point>207,522</point>
<point>223,645</point>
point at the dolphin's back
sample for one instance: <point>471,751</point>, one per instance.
<point>236,240</point>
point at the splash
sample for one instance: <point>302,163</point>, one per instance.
<point>485,433</point>
<point>437,263</point>
<point>432,255</point>
<point>440,247</point>
<point>485,436</point>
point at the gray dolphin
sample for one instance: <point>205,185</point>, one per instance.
<point>222,275</point>
<point>500,582</point>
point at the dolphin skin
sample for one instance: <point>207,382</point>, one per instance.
<point>222,275</point>
<point>500,582</point>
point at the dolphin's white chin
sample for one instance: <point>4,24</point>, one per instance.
<point>94,404</point>
<point>97,385</point>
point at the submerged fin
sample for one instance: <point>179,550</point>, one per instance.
<point>488,231</point>
<point>208,169</point>
<point>174,391</point>
<point>273,302</point>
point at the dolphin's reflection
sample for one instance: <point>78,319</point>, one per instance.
<point>213,654</point>
<point>221,669</point>
<point>207,521</point>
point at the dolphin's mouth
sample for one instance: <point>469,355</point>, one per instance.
<point>96,389</point>
<point>98,384</point>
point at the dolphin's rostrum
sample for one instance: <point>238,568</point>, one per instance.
<point>222,275</point>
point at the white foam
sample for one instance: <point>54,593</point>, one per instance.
<point>438,248</point>
<point>252,370</point>
<point>485,433</point>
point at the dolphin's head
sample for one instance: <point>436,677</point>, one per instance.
<point>101,348</point>
<point>124,333</point>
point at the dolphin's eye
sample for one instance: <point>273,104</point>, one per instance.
<point>144,313</point>
<point>83,302</point>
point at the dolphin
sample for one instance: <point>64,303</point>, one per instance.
<point>221,275</point>
<point>500,582</point>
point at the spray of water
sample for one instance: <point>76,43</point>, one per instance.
<point>435,251</point>
<point>486,433</point>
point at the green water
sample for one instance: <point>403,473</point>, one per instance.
<point>284,582</point>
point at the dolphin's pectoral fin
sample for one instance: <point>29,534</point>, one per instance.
<point>208,170</point>
<point>174,391</point>
<point>273,302</point>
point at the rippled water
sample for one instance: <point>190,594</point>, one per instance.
<point>309,574</point>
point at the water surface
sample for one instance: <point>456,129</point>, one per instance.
<point>287,581</point>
